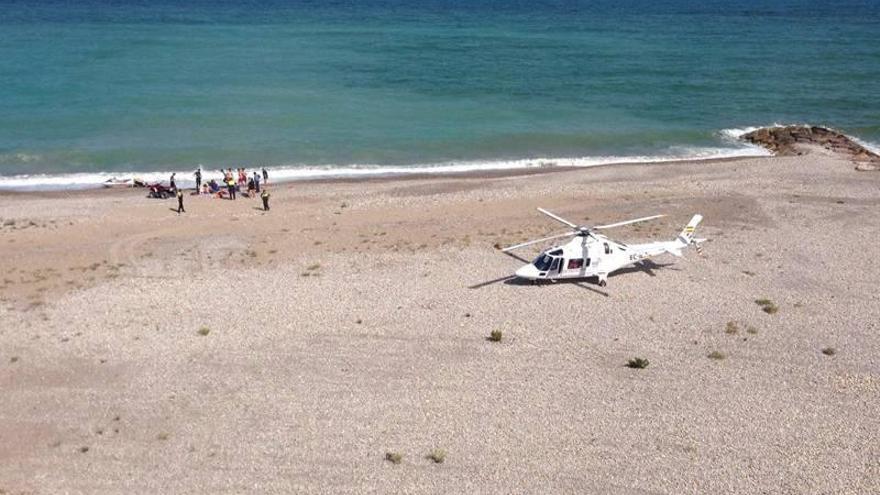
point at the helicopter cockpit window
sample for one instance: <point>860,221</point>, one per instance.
<point>542,263</point>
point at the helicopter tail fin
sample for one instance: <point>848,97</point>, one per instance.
<point>687,235</point>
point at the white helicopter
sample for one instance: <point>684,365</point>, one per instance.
<point>590,254</point>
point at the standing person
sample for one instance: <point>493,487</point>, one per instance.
<point>265,197</point>
<point>242,177</point>
<point>265,177</point>
<point>173,186</point>
<point>180,202</point>
<point>198,175</point>
<point>230,185</point>
<point>257,181</point>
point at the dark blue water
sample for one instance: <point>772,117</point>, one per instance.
<point>124,86</point>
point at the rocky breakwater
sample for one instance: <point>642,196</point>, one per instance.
<point>797,139</point>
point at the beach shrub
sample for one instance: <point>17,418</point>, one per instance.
<point>829,351</point>
<point>637,363</point>
<point>393,457</point>
<point>767,306</point>
<point>495,336</point>
<point>437,455</point>
<point>731,328</point>
<point>204,331</point>
<point>717,355</point>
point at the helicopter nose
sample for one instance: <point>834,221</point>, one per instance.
<point>527,272</point>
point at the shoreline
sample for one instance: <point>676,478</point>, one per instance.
<point>391,177</point>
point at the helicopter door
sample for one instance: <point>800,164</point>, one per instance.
<point>555,266</point>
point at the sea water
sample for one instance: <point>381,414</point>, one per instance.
<point>311,88</point>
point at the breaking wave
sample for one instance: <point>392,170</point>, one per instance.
<point>288,173</point>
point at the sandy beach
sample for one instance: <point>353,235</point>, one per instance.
<point>231,350</point>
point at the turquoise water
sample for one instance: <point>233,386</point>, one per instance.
<point>131,87</point>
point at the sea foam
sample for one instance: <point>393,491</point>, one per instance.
<point>301,172</point>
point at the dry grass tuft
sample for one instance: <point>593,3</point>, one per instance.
<point>767,306</point>
<point>393,457</point>
<point>638,363</point>
<point>204,331</point>
<point>437,455</point>
<point>495,336</point>
<point>717,355</point>
<point>829,351</point>
<point>732,328</point>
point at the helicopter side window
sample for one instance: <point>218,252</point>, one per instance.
<point>607,248</point>
<point>575,263</point>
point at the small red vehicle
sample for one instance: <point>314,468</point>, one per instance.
<point>160,191</point>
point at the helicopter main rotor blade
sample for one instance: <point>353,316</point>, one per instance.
<point>557,218</point>
<point>619,224</point>
<point>529,243</point>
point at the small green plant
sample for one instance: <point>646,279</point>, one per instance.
<point>393,457</point>
<point>732,328</point>
<point>638,363</point>
<point>204,331</point>
<point>495,336</point>
<point>829,351</point>
<point>437,455</point>
<point>162,436</point>
<point>717,355</point>
<point>752,330</point>
<point>83,449</point>
<point>13,359</point>
<point>767,306</point>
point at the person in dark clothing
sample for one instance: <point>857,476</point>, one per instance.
<point>265,197</point>
<point>173,186</point>
<point>180,202</point>
<point>198,175</point>
<point>230,184</point>
<point>265,176</point>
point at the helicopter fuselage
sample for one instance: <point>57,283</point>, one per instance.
<point>593,255</point>
<point>590,254</point>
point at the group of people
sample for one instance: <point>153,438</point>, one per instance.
<point>234,183</point>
